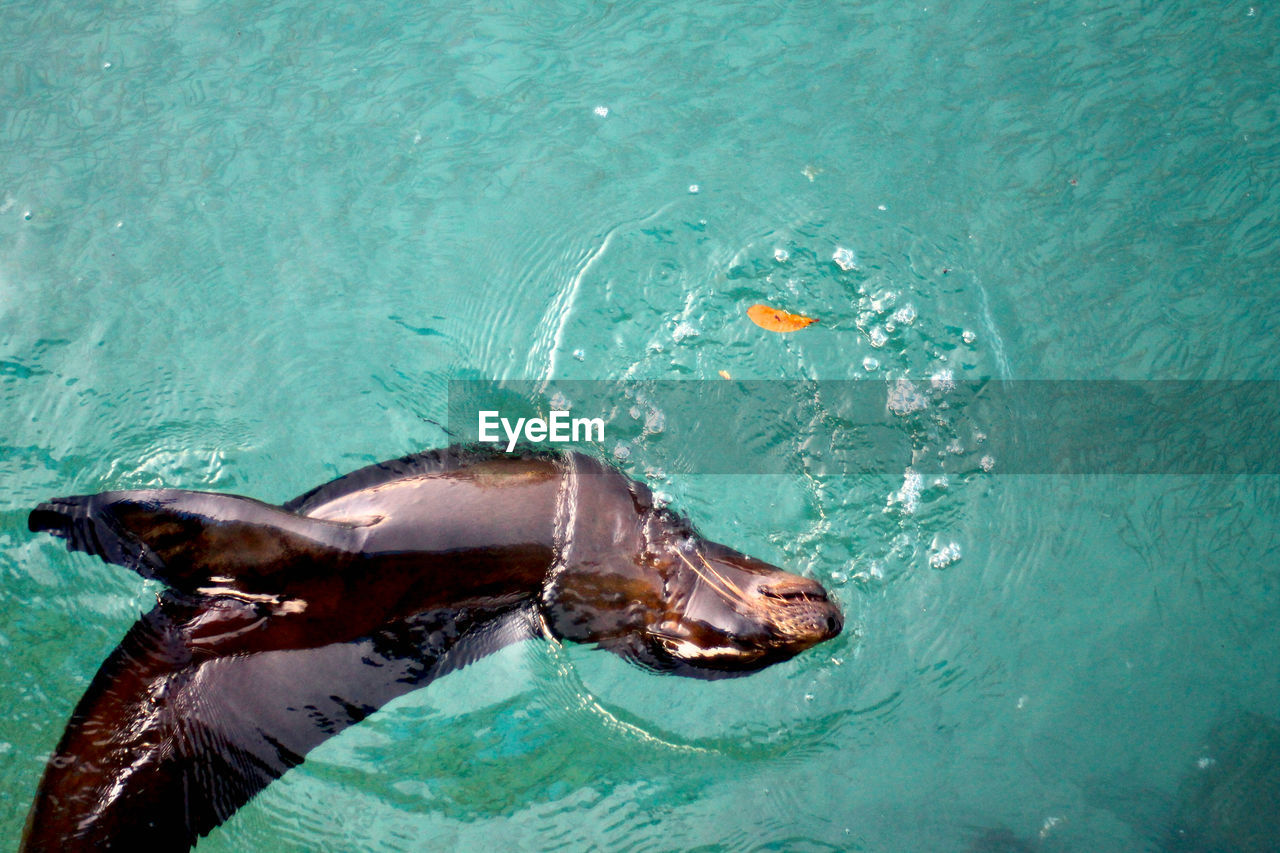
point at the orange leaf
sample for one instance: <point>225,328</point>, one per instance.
<point>776,320</point>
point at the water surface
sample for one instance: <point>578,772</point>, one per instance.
<point>245,247</point>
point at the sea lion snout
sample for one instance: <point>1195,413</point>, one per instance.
<point>740,614</point>
<point>801,608</point>
<point>796,611</point>
<point>789,587</point>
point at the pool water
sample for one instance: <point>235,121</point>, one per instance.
<point>247,247</point>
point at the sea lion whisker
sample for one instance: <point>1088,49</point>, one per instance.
<point>721,587</point>
<point>742,596</point>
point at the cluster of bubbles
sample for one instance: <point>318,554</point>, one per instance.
<point>920,358</point>
<point>877,304</point>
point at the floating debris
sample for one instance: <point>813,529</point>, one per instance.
<point>777,320</point>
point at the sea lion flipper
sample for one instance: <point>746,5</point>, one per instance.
<point>76,520</point>
<point>186,538</point>
<point>198,737</point>
<point>488,637</point>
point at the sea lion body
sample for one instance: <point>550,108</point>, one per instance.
<point>284,625</point>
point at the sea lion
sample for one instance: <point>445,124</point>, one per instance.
<point>281,626</point>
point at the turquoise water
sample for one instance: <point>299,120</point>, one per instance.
<point>245,247</point>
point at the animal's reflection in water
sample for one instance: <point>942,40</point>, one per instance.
<point>284,625</point>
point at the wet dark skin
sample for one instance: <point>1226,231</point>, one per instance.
<point>281,626</point>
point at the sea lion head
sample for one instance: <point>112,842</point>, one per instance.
<point>680,603</point>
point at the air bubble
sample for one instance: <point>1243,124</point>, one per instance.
<point>905,398</point>
<point>941,557</point>
<point>654,422</point>
<point>883,301</point>
<point>846,259</point>
<point>682,331</point>
<point>909,495</point>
